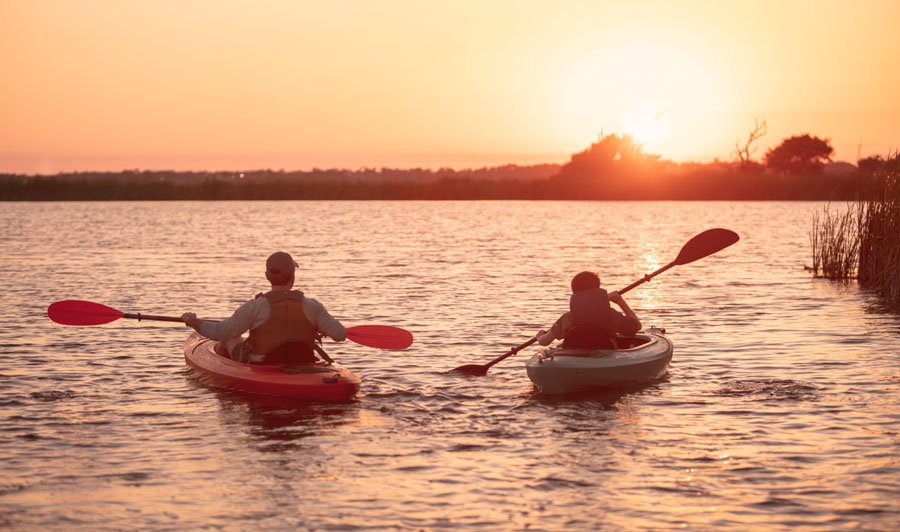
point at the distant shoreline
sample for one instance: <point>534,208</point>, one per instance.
<point>613,168</point>
<point>691,186</point>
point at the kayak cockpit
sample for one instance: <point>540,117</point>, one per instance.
<point>287,355</point>
<point>624,343</point>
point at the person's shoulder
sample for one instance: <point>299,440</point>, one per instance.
<point>563,319</point>
<point>255,303</point>
<point>311,301</point>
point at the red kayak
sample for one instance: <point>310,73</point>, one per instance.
<point>318,382</point>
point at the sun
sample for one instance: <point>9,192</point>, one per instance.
<point>647,123</point>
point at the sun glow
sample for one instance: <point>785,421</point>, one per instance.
<point>647,123</point>
<point>661,90</point>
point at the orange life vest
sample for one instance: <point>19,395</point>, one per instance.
<point>287,324</point>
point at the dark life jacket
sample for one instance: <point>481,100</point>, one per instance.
<point>592,326</point>
<point>286,336</point>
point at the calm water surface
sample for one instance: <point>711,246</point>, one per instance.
<point>781,410</point>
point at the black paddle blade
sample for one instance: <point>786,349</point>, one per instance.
<point>705,244</point>
<point>472,369</point>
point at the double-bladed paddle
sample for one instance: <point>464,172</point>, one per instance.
<point>702,245</point>
<point>75,312</point>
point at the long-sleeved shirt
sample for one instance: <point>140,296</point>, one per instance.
<point>622,324</point>
<point>255,312</point>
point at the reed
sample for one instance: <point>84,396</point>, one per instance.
<point>863,240</point>
<point>835,243</point>
<point>879,242</point>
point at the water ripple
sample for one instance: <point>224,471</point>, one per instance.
<point>779,411</point>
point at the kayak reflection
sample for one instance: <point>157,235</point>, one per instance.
<point>603,398</point>
<point>281,423</point>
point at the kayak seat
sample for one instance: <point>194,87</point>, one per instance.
<point>587,337</point>
<point>291,353</point>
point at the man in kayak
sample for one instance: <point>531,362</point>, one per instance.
<point>284,324</point>
<point>591,323</point>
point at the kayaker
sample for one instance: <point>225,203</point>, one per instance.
<point>283,323</point>
<point>591,322</point>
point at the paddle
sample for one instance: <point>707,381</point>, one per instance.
<point>482,369</point>
<point>702,245</point>
<point>74,312</point>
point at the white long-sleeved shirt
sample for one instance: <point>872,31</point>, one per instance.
<point>255,312</point>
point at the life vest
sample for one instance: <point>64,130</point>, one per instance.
<point>287,335</point>
<point>592,326</point>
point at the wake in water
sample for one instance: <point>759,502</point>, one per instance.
<point>763,390</point>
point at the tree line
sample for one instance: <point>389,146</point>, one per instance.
<point>614,168</point>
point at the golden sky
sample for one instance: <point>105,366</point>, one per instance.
<point>230,85</point>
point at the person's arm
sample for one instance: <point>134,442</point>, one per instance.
<point>556,331</point>
<point>630,324</point>
<point>324,322</point>
<point>545,337</point>
<point>240,322</point>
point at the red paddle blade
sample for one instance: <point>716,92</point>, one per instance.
<point>74,312</point>
<point>380,336</point>
<point>705,244</point>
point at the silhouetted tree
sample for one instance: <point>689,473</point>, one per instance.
<point>870,165</point>
<point>744,152</point>
<point>800,154</point>
<point>610,155</point>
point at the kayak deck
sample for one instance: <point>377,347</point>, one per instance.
<point>319,382</point>
<point>557,370</point>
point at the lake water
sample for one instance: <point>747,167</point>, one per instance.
<point>781,409</point>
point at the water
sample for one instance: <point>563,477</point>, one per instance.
<point>781,410</point>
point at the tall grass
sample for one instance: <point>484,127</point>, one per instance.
<point>835,243</point>
<point>863,241</point>
<point>879,241</point>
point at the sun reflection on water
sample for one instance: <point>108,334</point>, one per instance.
<point>779,412</point>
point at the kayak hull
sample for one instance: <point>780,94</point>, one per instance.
<point>316,382</point>
<point>558,371</point>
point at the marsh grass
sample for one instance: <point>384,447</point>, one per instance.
<point>879,241</point>
<point>863,240</point>
<point>835,243</point>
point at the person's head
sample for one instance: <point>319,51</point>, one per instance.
<point>585,281</point>
<point>280,268</point>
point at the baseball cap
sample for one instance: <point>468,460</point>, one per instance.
<point>280,264</point>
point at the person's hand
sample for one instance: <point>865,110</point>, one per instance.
<point>544,337</point>
<point>190,319</point>
<point>616,298</point>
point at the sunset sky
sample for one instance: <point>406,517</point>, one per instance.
<point>228,85</point>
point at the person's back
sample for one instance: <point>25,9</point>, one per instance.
<point>286,336</point>
<point>284,325</point>
<point>591,322</point>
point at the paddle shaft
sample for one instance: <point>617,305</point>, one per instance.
<point>140,317</point>
<point>647,277</point>
<point>510,353</point>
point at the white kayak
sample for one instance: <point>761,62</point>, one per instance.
<point>557,370</point>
